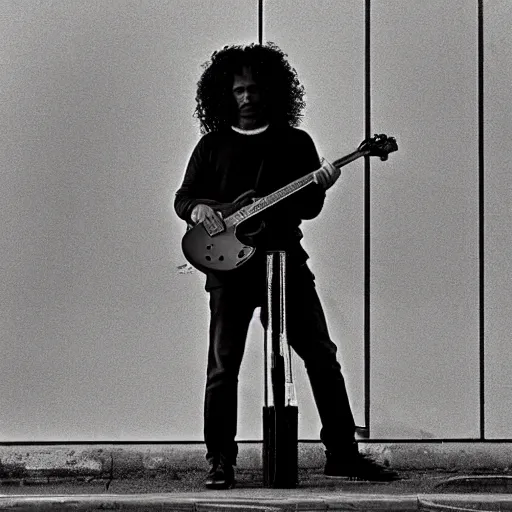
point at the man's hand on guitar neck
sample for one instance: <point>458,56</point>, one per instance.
<point>327,175</point>
<point>212,220</point>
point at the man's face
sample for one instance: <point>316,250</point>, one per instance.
<point>249,100</point>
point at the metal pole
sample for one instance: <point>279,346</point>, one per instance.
<point>367,238</point>
<point>280,412</point>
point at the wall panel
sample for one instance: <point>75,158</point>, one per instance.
<point>498,218</point>
<point>102,338</point>
<point>424,257</point>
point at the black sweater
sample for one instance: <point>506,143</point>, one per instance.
<point>226,164</point>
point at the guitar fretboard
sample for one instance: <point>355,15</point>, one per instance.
<point>268,201</point>
<point>278,195</point>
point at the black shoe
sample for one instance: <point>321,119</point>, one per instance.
<point>220,476</point>
<point>358,467</point>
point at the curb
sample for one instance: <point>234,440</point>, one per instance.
<point>498,484</point>
<point>352,502</point>
<point>118,461</point>
<point>462,502</point>
<point>194,504</point>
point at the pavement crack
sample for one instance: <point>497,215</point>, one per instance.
<point>111,476</point>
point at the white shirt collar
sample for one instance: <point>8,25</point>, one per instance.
<point>255,131</point>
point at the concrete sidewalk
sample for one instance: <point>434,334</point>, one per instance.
<point>436,476</point>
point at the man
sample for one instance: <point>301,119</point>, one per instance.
<point>249,102</point>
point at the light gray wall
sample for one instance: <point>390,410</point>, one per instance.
<point>498,217</point>
<point>425,331</point>
<point>103,339</point>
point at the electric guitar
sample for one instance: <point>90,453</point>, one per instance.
<point>221,250</point>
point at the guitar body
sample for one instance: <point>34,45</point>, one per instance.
<point>220,252</point>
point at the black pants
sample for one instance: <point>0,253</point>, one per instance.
<point>232,307</point>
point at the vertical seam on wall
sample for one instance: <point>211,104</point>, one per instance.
<point>260,21</point>
<point>481,204</point>
<point>367,253</point>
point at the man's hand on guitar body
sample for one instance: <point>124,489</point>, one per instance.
<point>327,175</point>
<point>212,220</point>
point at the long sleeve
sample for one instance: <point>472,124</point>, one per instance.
<point>308,202</point>
<point>195,185</point>
<point>186,196</point>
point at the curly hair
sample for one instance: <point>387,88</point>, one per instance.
<point>270,69</point>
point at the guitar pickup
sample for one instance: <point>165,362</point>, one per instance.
<point>215,230</point>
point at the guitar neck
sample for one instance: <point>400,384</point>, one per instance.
<point>266,202</point>
<point>344,160</point>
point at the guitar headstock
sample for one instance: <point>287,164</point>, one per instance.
<point>379,145</point>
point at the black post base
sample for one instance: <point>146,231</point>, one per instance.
<point>280,447</point>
